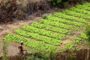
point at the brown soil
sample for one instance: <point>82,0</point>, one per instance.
<point>9,28</point>
<point>12,26</point>
<point>70,39</point>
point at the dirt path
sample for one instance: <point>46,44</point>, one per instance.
<point>12,50</point>
<point>9,28</point>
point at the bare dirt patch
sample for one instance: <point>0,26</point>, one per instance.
<point>10,28</point>
<point>70,38</point>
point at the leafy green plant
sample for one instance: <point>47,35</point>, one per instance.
<point>5,44</point>
<point>46,35</point>
<point>88,32</point>
<point>55,2</point>
<point>58,3</point>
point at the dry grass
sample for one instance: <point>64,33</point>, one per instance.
<point>22,8</point>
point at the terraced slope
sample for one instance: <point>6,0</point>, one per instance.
<point>47,35</point>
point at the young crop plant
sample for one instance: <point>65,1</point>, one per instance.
<point>38,37</point>
<point>44,32</point>
<point>61,30</point>
<point>67,20</point>
<point>81,38</point>
<point>88,32</point>
<point>46,36</point>
<point>75,14</point>
<point>80,11</point>
<point>69,17</point>
<point>55,24</point>
<point>40,46</point>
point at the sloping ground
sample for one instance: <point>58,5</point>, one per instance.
<point>19,9</point>
<point>45,36</point>
<point>9,28</point>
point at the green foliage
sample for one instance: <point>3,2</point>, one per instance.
<point>81,38</point>
<point>69,46</point>
<point>64,2</point>
<point>56,2</point>
<point>5,45</point>
<point>45,36</point>
<point>88,32</point>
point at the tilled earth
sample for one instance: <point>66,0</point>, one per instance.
<point>8,28</point>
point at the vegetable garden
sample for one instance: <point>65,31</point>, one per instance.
<point>46,36</point>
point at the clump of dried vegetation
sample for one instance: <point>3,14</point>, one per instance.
<point>19,9</point>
